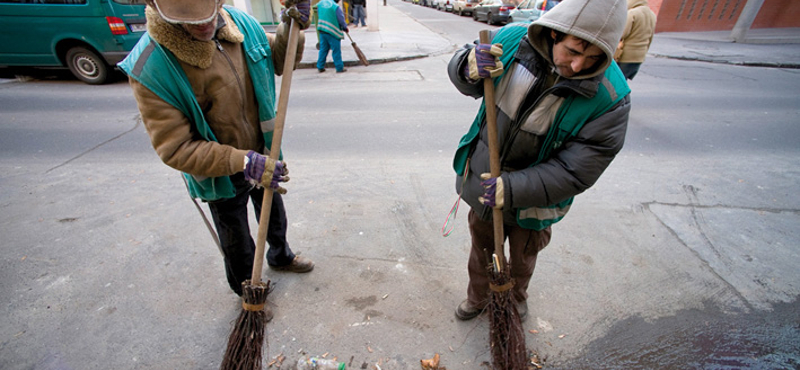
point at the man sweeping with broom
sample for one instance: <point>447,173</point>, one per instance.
<point>562,109</point>
<point>204,78</point>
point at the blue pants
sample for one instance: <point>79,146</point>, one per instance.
<point>230,219</point>
<point>358,14</point>
<point>329,42</point>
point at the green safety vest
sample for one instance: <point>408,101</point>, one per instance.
<point>157,69</point>
<point>328,21</point>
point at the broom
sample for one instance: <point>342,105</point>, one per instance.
<point>247,338</point>
<point>507,337</point>
<point>361,56</point>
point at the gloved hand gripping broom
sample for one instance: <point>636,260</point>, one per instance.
<point>247,338</point>
<point>507,337</point>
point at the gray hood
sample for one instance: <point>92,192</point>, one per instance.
<point>601,22</point>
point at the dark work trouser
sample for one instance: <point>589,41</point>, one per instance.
<point>629,70</point>
<point>524,246</point>
<point>231,221</point>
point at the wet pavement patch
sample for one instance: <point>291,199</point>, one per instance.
<point>706,339</point>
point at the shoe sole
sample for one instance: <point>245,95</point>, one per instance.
<point>465,316</point>
<point>289,269</point>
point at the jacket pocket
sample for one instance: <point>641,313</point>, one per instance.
<point>258,53</point>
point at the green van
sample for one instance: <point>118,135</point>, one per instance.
<point>87,36</point>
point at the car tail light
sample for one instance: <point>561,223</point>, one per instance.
<point>506,8</point>
<point>117,26</point>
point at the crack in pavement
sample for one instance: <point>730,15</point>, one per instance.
<point>138,121</point>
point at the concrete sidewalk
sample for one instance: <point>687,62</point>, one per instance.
<point>401,37</point>
<point>773,47</point>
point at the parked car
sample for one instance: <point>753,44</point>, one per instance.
<point>531,10</point>
<point>446,5</point>
<point>493,11</point>
<point>526,11</point>
<point>462,7</point>
<point>87,36</point>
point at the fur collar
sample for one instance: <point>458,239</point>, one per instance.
<point>186,49</point>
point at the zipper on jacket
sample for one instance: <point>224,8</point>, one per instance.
<point>514,130</point>
<point>235,73</point>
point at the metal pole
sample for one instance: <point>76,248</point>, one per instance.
<point>745,20</point>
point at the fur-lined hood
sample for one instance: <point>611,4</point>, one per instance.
<point>179,42</point>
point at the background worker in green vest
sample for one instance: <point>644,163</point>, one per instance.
<point>209,109</point>
<point>562,112</point>
<point>331,26</point>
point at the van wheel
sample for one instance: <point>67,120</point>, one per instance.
<point>87,66</point>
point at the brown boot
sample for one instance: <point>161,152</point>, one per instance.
<point>298,265</point>
<point>268,312</point>
<point>466,311</point>
<point>522,309</point>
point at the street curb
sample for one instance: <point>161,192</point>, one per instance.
<point>353,63</point>
<point>731,62</point>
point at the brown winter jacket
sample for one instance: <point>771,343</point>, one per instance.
<point>221,83</point>
<point>638,34</point>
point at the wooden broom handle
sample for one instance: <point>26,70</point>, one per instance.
<point>275,151</point>
<point>494,156</point>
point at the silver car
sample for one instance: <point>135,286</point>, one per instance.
<point>531,10</point>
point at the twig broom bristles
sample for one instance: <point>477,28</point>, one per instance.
<point>507,337</point>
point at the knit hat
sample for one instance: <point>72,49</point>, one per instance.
<point>187,11</point>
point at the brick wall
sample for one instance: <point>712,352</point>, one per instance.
<point>721,15</point>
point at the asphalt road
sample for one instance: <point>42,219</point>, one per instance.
<point>683,255</point>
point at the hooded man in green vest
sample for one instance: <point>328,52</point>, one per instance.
<point>204,78</point>
<point>562,112</point>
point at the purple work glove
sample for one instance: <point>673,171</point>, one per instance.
<point>492,191</point>
<point>260,170</point>
<point>483,62</point>
<point>300,10</point>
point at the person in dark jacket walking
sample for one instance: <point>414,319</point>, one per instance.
<point>562,112</point>
<point>359,13</point>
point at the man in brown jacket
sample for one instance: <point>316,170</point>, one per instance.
<point>639,29</point>
<point>192,76</point>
